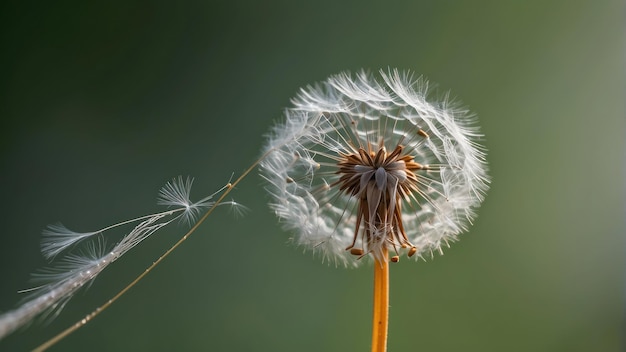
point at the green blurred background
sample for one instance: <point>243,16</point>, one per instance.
<point>101,104</point>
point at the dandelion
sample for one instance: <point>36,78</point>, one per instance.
<point>365,166</point>
<point>80,267</point>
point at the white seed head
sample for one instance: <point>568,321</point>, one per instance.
<point>363,163</point>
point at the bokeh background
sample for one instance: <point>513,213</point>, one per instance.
<point>101,104</point>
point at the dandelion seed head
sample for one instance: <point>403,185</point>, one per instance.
<point>363,163</point>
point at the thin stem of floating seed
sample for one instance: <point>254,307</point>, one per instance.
<point>100,309</point>
<point>380,320</point>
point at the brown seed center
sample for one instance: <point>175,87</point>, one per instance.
<point>380,181</point>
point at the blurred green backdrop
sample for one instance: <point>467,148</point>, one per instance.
<point>101,104</point>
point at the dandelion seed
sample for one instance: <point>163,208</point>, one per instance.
<point>76,270</point>
<point>57,238</point>
<point>237,209</point>
<point>362,167</point>
<point>176,194</point>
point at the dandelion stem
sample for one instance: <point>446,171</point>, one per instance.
<point>380,320</point>
<point>51,342</point>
